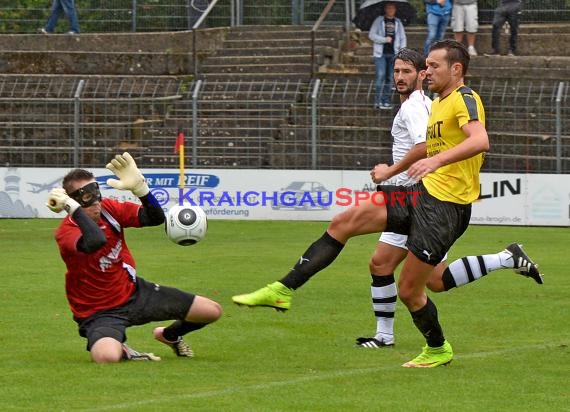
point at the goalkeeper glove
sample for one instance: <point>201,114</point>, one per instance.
<point>58,200</point>
<point>130,177</point>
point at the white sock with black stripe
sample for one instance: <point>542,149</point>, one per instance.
<point>384,297</point>
<point>471,268</point>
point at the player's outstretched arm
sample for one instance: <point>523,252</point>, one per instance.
<point>58,201</point>
<point>92,238</point>
<point>130,177</point>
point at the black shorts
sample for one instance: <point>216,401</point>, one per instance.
<point>149,303</point>
<point>432,225</point>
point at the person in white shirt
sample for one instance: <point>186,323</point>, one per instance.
<point>409,145</point>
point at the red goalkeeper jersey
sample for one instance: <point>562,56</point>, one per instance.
<point>105,278</point>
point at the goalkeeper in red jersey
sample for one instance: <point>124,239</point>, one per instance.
<point>104,292</point>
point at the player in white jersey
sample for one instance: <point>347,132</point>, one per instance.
<point>408,131</point>
<point>409,134</point>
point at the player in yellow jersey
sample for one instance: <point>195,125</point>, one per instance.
<point>433,213</point>
<point>456,141</point>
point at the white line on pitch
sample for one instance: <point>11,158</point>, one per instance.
<point>303,379</point>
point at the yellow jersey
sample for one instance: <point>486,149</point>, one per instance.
<point>456,182</point>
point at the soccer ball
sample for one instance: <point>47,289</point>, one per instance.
<point>185,225</point>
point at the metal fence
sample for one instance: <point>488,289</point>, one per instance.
<point>96,16</point>
<point>27,16</point>
<point>68,121</point>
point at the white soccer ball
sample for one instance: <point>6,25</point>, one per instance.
<point>186,225</point>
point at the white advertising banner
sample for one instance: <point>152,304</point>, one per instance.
<point>506,199</point>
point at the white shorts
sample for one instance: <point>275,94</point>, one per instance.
<point>464,18</point>
<point>395,239</point>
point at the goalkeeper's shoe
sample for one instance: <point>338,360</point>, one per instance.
<point>275,295</point>
<point>523,263</point>
<point>180,348</point>
<point>373,343</point>
<point>432,357</point>
<point>129,354</point>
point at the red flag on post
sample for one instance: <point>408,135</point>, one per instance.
<point>179,148</point>
<point>179,142</point>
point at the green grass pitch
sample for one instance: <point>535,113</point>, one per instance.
<point>510,335</point>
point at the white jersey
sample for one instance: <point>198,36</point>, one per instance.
<point>409,129</point>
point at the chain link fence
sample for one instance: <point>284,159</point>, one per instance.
<point>101,16</point>
<point>69,121</point>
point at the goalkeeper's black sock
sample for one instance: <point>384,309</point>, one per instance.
<point>427,322</point>
<point>180,328</point>
<point>317,257</point>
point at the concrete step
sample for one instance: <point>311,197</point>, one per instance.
<point>60,156</point>
<point>518,164</point>
<point>346,136</point>
<point>235,77</point>
<point>97,42</point>
<point>254,87</point>
<point>232,133</point>
<point>304,49</point>
<point>114,63</point>
<point>520,67</point>
<point>253,33</point>
<point>246,99</point>
<point>258,68</point>
<point>354,148</point>
<point>268,45</point>
<point>246,60</point>
<point>484,29</point>
<point>237,123</point>
<point>281,27</point>
<point>216,110</point>
<point>237,99</point>
<point>208,159</point>
<point>528,44</point>
<point>522,127</point>
<point>242,93</point>
<point>65,85</point>
<point>221,149</point>
<point>295,156</point>
<point>483,67</point>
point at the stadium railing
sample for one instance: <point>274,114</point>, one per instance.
<point>49,121</point>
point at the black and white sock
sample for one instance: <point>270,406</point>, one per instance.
<point>471,268</point>
<point>384,296</point>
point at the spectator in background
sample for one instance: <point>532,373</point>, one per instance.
<point>438,13</point>
<point>388,36</point>
<point>58,7</point>
<point>507,11</point>
<point>465,20</point>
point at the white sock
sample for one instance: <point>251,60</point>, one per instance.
<point>384,305</point>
